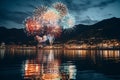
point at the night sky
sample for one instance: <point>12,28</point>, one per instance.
<point>14,12</point>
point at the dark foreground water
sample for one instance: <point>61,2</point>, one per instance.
<point>59,64</point>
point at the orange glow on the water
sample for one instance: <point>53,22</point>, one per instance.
<point>110,54</point>
<point>52,71</point>
<point>32,69</point>
<point>50,76</point>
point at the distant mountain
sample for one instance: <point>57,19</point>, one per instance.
<point>109,28</point>
<point>106,29</point>
<point>14,36</point>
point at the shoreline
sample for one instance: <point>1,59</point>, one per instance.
<point>52,48</point>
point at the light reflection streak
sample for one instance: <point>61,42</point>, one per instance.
<point>31,69</point>
<point>111,54</point>
<point>2,53</point>
<point>72,72</point>
<point>93,54</point>
<point>47,65</point>
<point>48,68</point>
<point>82,53</point>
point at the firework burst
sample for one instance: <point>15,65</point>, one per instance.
<point>32,26</point>
<point>56,30</point>
<point>49,21</point>
<point>67,22</point>
<point>51,16</point>
<point>40,10</point>
<point>60,7</point>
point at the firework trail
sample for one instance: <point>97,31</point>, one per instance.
<point>49,22</point>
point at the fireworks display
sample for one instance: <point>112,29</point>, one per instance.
<point>61,8</point>
<point>51,16</point>
<point>49,21</point>
<point>32,26</point>
<point>40,10</point>
<point>67,21</point>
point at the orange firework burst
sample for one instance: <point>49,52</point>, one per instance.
<point>56,31</point>
<point>32,26</point>
<point>51,16</point>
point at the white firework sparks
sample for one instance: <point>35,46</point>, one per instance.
<point>40,10</point>
<point>60,7</point>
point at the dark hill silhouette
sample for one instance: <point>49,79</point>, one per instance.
<point>106,29</point>
<point>17,36</point>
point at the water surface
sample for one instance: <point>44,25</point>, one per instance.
<point>59,64</point>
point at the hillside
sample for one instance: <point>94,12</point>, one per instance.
<point>11,36</point>
<point>106,29</point>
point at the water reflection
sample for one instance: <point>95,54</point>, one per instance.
<point>2,53</point>
<point>31,69</point>
<point>93,54</point>
<point>45,66</point>
<point>69,71</point>
<point>110,54</point>
<point>48,66</point>
<point>60,64</point>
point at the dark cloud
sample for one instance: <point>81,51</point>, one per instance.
<point>87,20</point>
<point>17,17</point>
<point>17,10</point>
<point>32,6</point>
<point>104,3</point>
<point>86,4</point>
